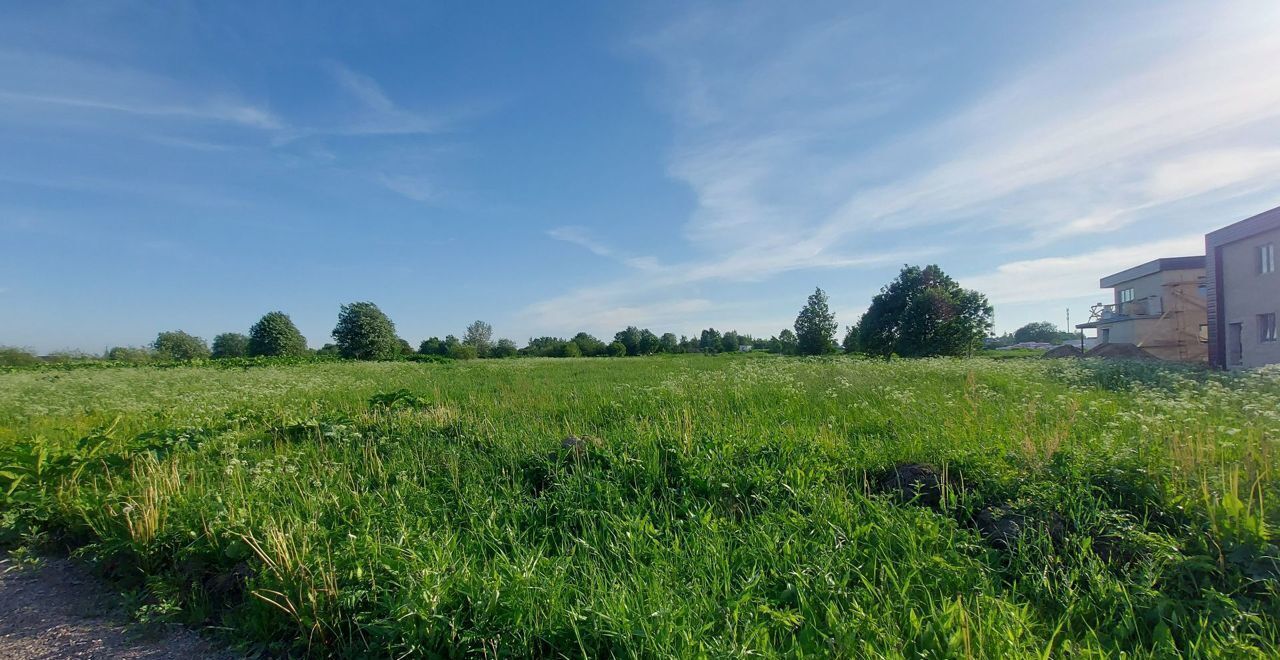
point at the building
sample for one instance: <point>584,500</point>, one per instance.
<point>1243,292</point>
<point>1159,306</point>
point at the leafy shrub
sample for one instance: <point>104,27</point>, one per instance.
<point>276,335</point>
<point>365,333</point>
<point>179,346</point>
<point>17,357</point>
<point>463,352</point>
<point>230,345</point>
<point>617,349</point>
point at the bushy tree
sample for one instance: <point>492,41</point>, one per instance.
<point>649,343</point>
<point>130,354</point>
<point>230,345</point>
<point>710,341</point>
<point>178,345</point>
<point>404,347</point>
<point>275,334</point>
<point>570,350</point>
<point>589,345</point>
<point>365,333</point>
<point>668,343</point>
<point>630,338</point>
<point>480,336</point>
<point>545,347</point>
<point>12,356</point>
<point>617,349</point>
<point>1042,331</point>
<point>787,342</point>
<point>730,342</point>
<point>850,343</point>
<point>816,326</point>
<point>432,346</point>
<point>503,349</point>
<point>462,351</point>
<point>923,312</point>
<point>329,350</point>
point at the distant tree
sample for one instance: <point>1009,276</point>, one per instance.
<point>850,343</point>
<point>617,349</point>
<point>329,350</point>
<point>463,352</point>
<point>668,343</point>
<point>649,343</point>
<point>12,356</point>
<point>787,342</point>
<point>230,345</point>
<point>629,338</point>
<point>432,346</point>
<point>816,326</point>
<point>405,348</point>
<point>589,345</point>
<point>275,334</point>
<point>923,312</point>
<point>178,345</point>
<point>710,341</point>
<point>503,349</point>
<point>729,342</point>
<point>1042,331</point>
<point>545,347</point>
<point>365,333</point>
<point>128,354</point>
<point>479,335</point>
<point>570,350</point>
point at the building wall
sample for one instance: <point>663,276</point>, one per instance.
<point>1172,332</point>
<point>1246,294</point>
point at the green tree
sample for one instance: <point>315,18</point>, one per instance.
<point>503,349</point>
<point>275,335</point>
<point>12,356</point>
<point>816,326</point>
<point>128,354</point>
<point>730,342</point>
<point>710,341</point>
<point>432,346</point>
<point>480,336</point>
<point>365,333</point>
<point>589,345</point>
<point>178,345</point>
<point>462,351</point>
<point>922,313</point>
<point>617,349</point>
<point>850,343</point>
<point>230,345</point>
<point>649,343</point>
<point>630,338</point>
<point>403,346</point>
<point>1041,331</point>
<point>668,343</point>
<point>571,349</point>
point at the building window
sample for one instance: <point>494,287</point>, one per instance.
<point>1204,333</point>
<point>1126,295</point>
<point>1267,327</point>
<point>1267,258</point>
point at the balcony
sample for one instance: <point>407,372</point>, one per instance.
<point>1149,307</point>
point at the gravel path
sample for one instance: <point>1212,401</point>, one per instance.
<point>59,610</point>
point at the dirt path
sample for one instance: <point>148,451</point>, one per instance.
<point>59,610</point>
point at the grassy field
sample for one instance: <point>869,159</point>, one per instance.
<point>718,506</point>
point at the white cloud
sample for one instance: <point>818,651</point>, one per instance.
<point>419,189</point>
<point>581,237</point>
<point>1052,279</point>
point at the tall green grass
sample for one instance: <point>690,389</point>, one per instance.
<point>718,507</point>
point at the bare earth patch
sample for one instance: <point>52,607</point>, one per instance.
<point>59,610</point>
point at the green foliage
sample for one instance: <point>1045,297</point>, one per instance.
<point>851,342</point>
<point>275,335</point>
<point>463,352</point>
<point>432,346</point>
<point>725,507</point>
<point>129,354</point>
<point>617,349</point>
<point>589,346</point>
<point>816,326</point>
<point>505,348</point>
<point>629,338</point>
<point>479,335</point>
<point>17,357</point>
<point>365,333</point>
<point>668,343</point>
<point>924,313</point>
<point>179,346</point>
<point>1043,332</point>
<point>230,345</point>
<point>710,341</point>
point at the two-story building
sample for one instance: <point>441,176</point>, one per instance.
<point>1243,291</point>
<point>1158,307</point>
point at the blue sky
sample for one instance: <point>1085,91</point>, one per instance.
<point>556,167</point>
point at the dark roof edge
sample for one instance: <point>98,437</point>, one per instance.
<point>1257,224</point>
<point>1153,267</point>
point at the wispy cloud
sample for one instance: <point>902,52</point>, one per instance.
<point>581,237</point>
<point>376,113</point>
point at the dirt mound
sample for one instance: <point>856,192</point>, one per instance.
<point>913,483</point>
<point>1063,351</point>
<point>1118,351</point>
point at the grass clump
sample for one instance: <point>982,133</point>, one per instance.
<point>707,506</point>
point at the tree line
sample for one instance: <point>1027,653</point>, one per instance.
<point>921,313</point>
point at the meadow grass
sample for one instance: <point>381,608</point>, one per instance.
<point>716,507</point>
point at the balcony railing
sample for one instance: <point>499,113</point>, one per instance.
<point>1139,308</point>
